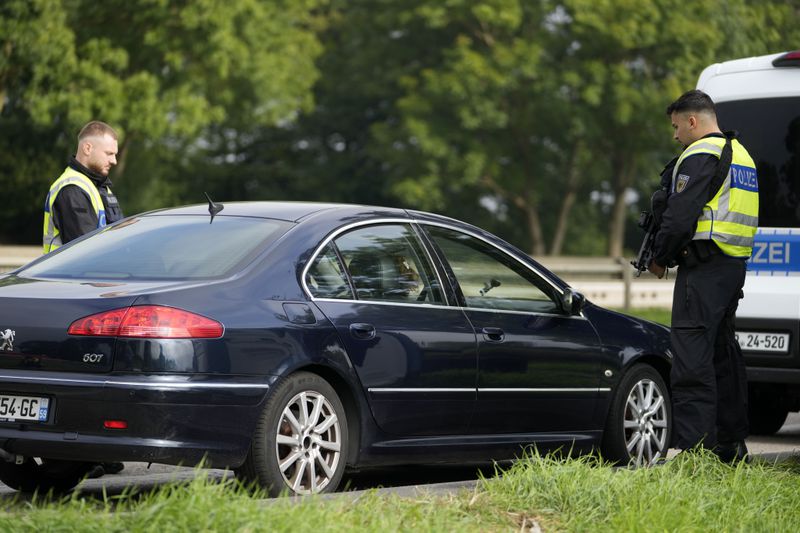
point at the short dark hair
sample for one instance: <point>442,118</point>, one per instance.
<point>96,128</point>
<point>694,100</point>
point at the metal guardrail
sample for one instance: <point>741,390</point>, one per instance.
<point>598,276</point>
<point>12,257</point>
<point>594,268</point>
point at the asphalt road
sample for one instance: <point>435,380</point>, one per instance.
<point>402,480</point>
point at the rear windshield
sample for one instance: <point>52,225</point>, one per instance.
<point>162,247</point>
<point>770,130</point>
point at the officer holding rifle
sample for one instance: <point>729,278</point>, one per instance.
<point>709,218</point>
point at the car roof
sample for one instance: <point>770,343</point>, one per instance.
<point>284,210</point>
<point>325,213</point>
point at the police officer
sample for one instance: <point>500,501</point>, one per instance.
<point>707,228</point>
<point>80,200</point>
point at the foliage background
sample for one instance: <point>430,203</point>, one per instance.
<point>542,121</point>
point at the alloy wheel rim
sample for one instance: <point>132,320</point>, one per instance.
<point>645,423</point>
<point>308,443</point>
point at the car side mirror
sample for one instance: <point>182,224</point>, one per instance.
<point>572,301</point>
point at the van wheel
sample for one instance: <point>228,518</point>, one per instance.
<point>639,421</point>
<point>43,475</point>
<point>765,414</point>
<point>300,442</point>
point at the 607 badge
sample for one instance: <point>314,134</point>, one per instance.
<point>92,357</point>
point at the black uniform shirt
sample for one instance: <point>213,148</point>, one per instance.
<point>685,207</point>
<point>73,214</point>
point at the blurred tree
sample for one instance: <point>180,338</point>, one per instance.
<point>632,57</point>
<point>36,58</point>
<point>174,77</point>
<point>323,154</point>
<point>532,100</point>
<point>514,115</point>
<point>485,117</point>
<point>36,51</point>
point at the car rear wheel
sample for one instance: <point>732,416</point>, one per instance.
<point>43,474</point>
<point>639,422</point>
<point>300,442</point>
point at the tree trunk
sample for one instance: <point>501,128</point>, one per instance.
<point>538,247</point>
<point>570,193</point>
<point>528,207</point>
<point>124,148</point>
<point>624,167</point>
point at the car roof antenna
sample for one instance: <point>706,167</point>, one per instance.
<point>213,208</point>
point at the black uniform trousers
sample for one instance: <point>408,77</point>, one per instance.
<point>708,377</point>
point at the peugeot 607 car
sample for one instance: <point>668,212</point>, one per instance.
<point>290,341</point>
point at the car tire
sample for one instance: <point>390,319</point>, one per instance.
<point>639,423</point>
<point>765,414</point>
<point>301,441</point>
<point>43,475</point>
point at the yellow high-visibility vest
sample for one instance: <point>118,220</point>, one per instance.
<point>730,218</point>
<point>52,236</point>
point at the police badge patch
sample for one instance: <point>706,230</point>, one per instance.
<point>683,179</point>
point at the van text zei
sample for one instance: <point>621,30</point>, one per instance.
<point>775,254</point>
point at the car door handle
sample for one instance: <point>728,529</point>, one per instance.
<point>493,334</point>
<point>363,331</point>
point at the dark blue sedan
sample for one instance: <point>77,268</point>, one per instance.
<point>289,341</point>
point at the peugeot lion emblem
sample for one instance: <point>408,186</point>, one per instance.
<point>8,340</point>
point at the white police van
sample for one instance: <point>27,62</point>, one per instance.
<point>760,98</point>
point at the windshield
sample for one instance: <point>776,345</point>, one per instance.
<point>770,130</point>
<point>162,247</point>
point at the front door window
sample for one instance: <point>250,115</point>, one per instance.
<point>490,279</point>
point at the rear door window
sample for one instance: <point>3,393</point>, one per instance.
<point>388,263</point>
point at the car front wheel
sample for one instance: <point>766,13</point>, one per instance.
<point>639,422</point>
<point>300,442</point>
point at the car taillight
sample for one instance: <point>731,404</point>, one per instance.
<point>789,59</point>
<point>147,321</point>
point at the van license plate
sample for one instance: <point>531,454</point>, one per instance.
<point>16,408</point>
<point>763,342</point>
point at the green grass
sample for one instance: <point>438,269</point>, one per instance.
<point>686,494</point>
<point>654,314</point>
<point>695,493</point>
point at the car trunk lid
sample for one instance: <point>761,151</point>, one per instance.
<point>36,314</point>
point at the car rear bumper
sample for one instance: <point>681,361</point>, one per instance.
<point>174,419</point>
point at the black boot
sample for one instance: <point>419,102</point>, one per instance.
<point>96,471</point>
<point>113,468</point>
<point>732,452</point>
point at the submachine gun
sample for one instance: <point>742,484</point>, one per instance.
<point>650,222</point>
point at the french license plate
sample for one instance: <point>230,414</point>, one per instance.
<point>15,408</point>
<point>763,342</point>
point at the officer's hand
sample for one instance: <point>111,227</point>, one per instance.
<point>656,269</point>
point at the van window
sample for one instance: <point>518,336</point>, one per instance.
<point>770,130</point>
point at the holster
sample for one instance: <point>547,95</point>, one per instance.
<point>697,252</point>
